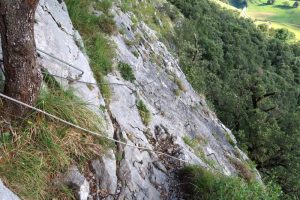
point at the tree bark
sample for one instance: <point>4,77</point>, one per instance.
<point>23,76</point>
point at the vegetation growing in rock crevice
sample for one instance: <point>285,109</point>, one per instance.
<point>197,146</point>
<point>145,114</point>
<point>37,150</point>
<point>253,82</point>
<point>126,72</point>
<point>93,30</point>
<point>200,184</point>
<point>154,13</point>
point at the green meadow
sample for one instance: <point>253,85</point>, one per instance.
<point>281,14</point>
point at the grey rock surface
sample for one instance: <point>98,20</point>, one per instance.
<point>78,182</point>
<point>55,35</point>
<point>6,194</point>
<point>174,117</point>
<point>106,172</point>
<point>135,173</point>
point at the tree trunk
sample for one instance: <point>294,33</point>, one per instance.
<point>23,76</point>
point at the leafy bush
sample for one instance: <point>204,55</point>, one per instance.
<point>145,114</point>
<point>201,184</point>
<point>126,72</point>
<point>283,34</point>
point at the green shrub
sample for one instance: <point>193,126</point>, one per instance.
<point>136,54</point>
<point>104,5</point>
<point>126,72</point>
<point>254,96</point>
<point>201,184</point>
<point>144,112</point>
<point>189,141</point>
<point>107,24</point>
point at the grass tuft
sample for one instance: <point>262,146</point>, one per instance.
<point>104,6</point>
<point>180,84</point>
<point>107,24</point>
<point>145,114</point>
<point>148,12</point>
<point>244,169</point>
<point>37,150</point>
<point>126,72</point>
<point>93,30</point>
<point>229,139</point>
<point>201,184</point>
<point>196,144</point>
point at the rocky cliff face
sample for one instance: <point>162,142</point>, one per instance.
<point>179,116</point>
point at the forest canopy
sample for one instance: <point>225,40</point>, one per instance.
<point>253,82</point>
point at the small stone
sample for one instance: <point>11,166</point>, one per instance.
<point>6,194</point>
<point>170,151</point>
<point>76,180</point>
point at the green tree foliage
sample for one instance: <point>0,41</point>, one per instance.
<point>252,81</point>
<point>284,34</point>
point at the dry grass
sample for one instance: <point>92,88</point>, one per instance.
<point>244,169</point>
<point>36,150</point>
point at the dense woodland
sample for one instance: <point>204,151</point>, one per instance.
<point>252,80</point>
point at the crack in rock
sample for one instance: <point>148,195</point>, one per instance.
<point>45,9</point>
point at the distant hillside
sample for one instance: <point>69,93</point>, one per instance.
<point>281,14</point>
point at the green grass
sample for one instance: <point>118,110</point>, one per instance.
<point>201,184</point>
<point>276,12</point>
<point>94,31</point>
<point>145,114</point>
<point>104,5</point>
<point>225,5</point>
<point>229,139</point>
<point>147,12</point>
<point>126,72</point>
<point>280,16</point>
<point>197,145</point>
<point>244,169</point>
<point>37,149</point>
<point>180,84</point>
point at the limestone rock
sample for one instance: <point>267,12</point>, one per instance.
<point>77,181</point>
<point>138,173</point>
<point>105,169</point>
<point>6,194</point>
